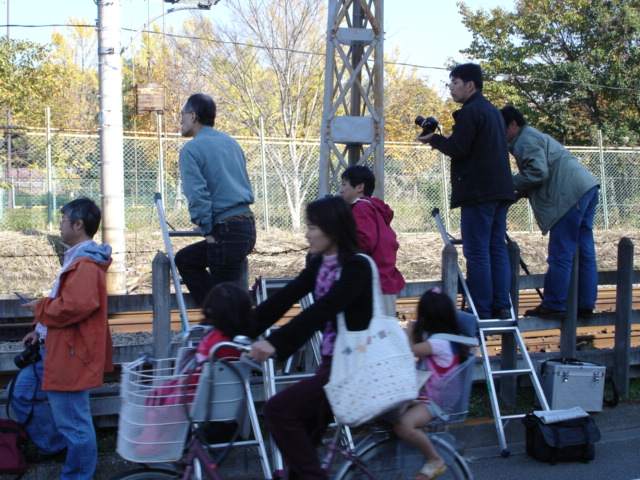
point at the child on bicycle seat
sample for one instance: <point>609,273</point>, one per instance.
<point>436,314</point>
<point>227,308</point>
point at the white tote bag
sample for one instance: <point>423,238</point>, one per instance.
<point>373,370</point>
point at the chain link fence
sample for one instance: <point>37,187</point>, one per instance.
<point>47,171</point>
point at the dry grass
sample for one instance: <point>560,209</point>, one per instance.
<point>29,260</point>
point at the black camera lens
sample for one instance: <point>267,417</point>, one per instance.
<point>428,125</point>
<point>30,354</point>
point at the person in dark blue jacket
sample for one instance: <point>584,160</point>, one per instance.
<point>482,186</point>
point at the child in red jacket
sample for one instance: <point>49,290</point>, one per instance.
<point>227,309</point>
<point>375,235</point>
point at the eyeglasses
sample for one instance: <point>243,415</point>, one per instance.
<point>455,83</point>
<point>182,114</point>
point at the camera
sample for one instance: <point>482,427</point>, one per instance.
<point>30,354</point>
<point>428,125</point>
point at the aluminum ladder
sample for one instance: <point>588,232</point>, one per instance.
<point>166,236</point>
<point>501,327</point>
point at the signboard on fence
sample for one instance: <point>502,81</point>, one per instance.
<point>149,98</point>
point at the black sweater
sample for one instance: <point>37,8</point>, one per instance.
<point>350,294</point>
<point>480,168</point>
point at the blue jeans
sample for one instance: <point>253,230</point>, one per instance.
<point>574,229</point>
<point>29,397</point>
<point>72,414</point>
<point>483,228</point>
<point>234,240</point>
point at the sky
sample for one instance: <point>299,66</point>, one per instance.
<point>427,32</point>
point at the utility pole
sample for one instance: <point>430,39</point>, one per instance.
<point>111,140</point>
<point>11,200</point>
<point>352,119</point>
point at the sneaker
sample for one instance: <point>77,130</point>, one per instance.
<point>544,312</point>
<point>502,313</point>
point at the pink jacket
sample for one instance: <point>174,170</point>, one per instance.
<point>378,240</point>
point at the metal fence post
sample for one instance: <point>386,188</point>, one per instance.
<point>624,305</point>
<point>49,179</point>
<point>603,182</point>
<point>265,196</point>
<point>445,193</point>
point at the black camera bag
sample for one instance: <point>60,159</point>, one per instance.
<point>566,441</point>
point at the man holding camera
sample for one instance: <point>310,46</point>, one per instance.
<point>216,184</point>
<point>563,195</point>
<point>481,185</point>
<point>75,345</point>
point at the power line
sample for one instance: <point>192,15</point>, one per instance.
<point>304,52</point>
<point>51,25</point>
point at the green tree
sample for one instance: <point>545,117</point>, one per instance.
<point>407,95</point>
<point>571,65</point>
<point>27,79</point>
<point>75,104</point>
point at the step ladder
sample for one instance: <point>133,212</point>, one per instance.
<point>311,358</point>
<point>496,327</point>
<point>166,236</point>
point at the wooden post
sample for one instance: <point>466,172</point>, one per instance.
<point>160,277</point>
<point>450,272</point>
<point>624,305</point>
<point>569,325</point>
<point>514,264</point>
<point>509,355</point>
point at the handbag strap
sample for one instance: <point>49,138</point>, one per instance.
<point>462,339</point>
<point>376,293</point>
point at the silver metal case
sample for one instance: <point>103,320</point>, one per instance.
<point>568,385</point>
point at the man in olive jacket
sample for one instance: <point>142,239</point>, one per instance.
<point>482,187</point>
<point>563,195</point>
<point>76,348</point>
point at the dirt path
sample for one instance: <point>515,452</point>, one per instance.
<point>29,262</point>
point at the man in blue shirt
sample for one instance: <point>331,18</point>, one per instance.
<point>217,187</point>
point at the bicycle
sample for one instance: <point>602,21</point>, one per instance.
<point>182,450</point>
<point>379,455</point>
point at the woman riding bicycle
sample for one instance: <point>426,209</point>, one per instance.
<point>340,281</point>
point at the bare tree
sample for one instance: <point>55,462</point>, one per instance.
<point>266,60</point>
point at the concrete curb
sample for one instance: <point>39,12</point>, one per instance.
<point>479,436</point>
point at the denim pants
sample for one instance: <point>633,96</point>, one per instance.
<point>574,229</point>
<point>297,418</point>
<point>72,414</point>
<point>225,257</point>
<point>483,228</point>
<point>28,399</point>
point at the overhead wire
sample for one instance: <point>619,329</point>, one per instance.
<point>422,67</point>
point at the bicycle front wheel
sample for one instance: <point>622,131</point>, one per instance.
<point>386,457</point>
<point>147,474</point>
